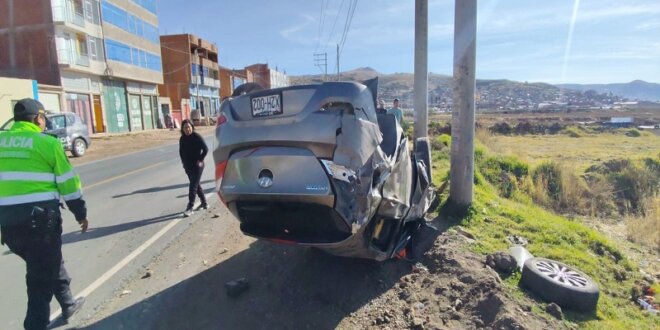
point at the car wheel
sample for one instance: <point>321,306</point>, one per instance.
<point>556,282</point>
<point>423,153</point>
<point>79,147</point>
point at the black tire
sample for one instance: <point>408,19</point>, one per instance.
<point>423,153</point>
<point>564,285</point>
<point>78,147</point>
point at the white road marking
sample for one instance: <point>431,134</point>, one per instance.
<point>112,271</point>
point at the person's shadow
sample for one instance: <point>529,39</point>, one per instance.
<point>157,189</point>
<point>96,232</point>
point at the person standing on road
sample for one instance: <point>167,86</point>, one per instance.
<point>34,174</point>
<point>192,150</point>
<point>396,111</point>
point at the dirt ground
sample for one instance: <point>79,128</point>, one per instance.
<point>293,287</point>
<point>110,145</point>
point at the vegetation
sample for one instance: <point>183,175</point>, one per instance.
<point>515,197</point>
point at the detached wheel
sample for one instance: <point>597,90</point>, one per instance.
<point>423,153</point>
<point>79,147</point>
<point>556,282</point>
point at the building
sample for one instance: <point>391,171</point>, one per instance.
<point>191,78</point>
<point>230,79</point>
<point>267,77</point>
<point>11,91</point>
<point>98,58</point>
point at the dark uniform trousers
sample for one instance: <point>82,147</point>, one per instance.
<point>46,275</point>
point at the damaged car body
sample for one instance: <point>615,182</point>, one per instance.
<point>315,165</point>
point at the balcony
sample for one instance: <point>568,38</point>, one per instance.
<point>67,58</point>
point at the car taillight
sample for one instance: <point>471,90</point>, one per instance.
<point>221,120</point>
<point>219,173</point>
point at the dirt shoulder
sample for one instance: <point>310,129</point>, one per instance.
<point>110,145</point>
<point>293,287</point>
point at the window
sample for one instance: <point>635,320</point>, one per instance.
<point>118,51</point>
<point>135,56</point>
<point>92,48</point>
<point>115,15</point>
<point>56,122</point>
<point>81,43</point>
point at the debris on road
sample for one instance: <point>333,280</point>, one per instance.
<point>223,251</point>
<point>236,287</point>
<point>146,275</point>
<point>125,292</point>
<point>502,262</point>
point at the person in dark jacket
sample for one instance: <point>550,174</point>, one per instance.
<point>192,150</point>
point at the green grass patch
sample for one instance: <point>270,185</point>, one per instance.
<point>492,218</point>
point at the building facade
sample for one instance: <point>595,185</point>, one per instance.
<point>191,77</point>
<point>230,79</point>
<point>99,58</point>
<point>267,77</point>
<point>11,91</point>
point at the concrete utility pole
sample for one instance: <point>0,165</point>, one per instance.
<point>462,123</point>
<point>421,100</point>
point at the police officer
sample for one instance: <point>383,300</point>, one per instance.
<point>34,175</point>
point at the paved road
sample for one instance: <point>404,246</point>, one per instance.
<point>135,203</point>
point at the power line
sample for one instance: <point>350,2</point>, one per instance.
<point>323,15</point>
<point>334,24</point>
<point>347,25</point>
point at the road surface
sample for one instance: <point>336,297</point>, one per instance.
<point>134,203</point>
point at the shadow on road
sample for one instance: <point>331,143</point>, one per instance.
<point>157,189</point>
<point>96,232</point>
<point>206,191</point>
<point>291,288</point>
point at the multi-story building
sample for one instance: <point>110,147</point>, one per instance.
<point>98,58</point>
<point>267,77</point>
<point>191,75</point>
<point>230,79</point>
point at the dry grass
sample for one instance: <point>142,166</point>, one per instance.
<point>645,229</point>
<point>576,153</point>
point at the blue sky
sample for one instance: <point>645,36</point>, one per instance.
<point>524,40</point>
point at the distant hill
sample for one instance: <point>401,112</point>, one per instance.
<point>501,94</point>
<point>638,89</point>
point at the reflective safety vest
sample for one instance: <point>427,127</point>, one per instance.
<point>34,168</point>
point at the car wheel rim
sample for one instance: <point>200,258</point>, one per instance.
<point>79,147</point>
<point>561,274</point>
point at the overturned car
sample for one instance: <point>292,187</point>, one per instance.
<point>315,165</point>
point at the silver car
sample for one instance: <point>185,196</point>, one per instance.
<point>315,165</point>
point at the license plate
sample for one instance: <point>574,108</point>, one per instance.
<point>269,105</point>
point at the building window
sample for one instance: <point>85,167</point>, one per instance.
<point>131,23</point>
<point>92,11</point>
<point>118,51</point>
<point>149,5</point>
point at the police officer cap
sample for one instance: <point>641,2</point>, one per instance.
<point>28,106</point>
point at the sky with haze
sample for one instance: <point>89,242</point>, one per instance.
<point>554,41</point>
